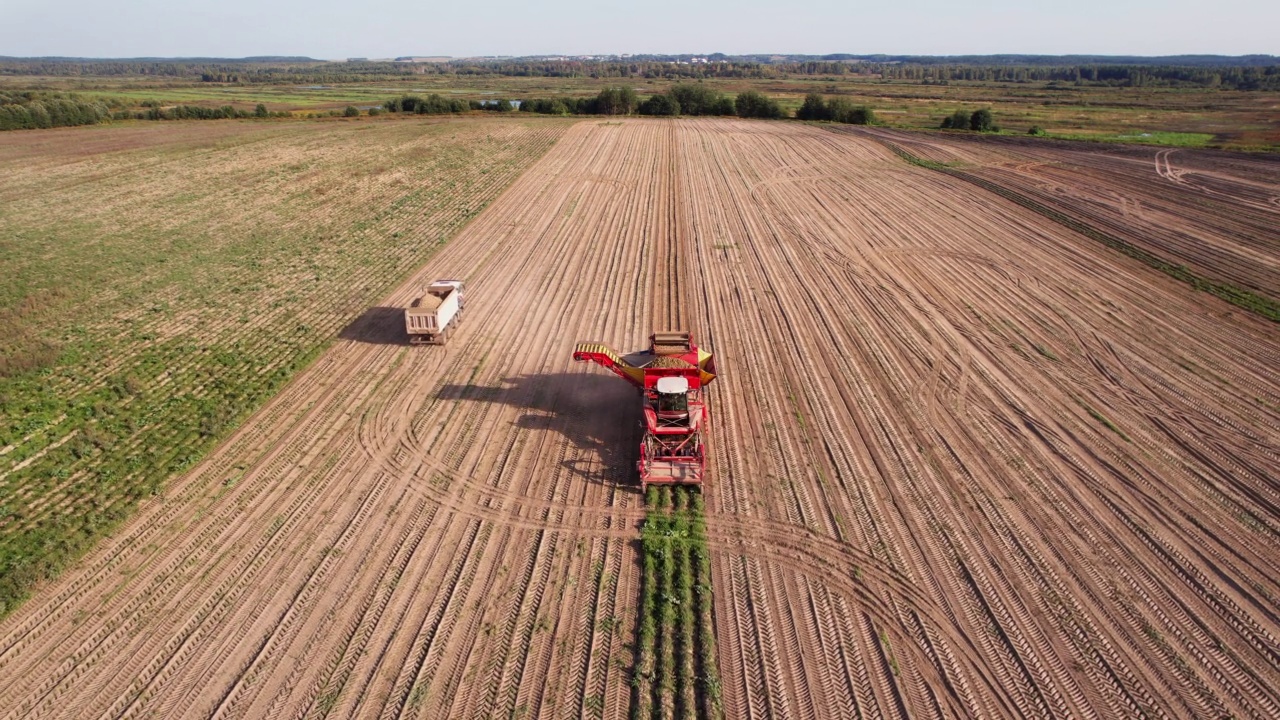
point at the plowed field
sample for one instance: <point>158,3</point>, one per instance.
<point>966,462</point>
<point>1213,212</point>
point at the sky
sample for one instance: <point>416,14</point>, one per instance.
<point>331,29</point>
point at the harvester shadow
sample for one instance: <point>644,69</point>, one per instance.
<point>598,415</point>
<point>377,326</point>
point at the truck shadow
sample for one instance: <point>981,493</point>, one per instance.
<point>598,415</point>
<point>377,326</point>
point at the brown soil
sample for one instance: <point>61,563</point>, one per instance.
<point>965,463</point>
<point>1214,212</point>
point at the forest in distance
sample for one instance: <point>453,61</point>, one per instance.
<point>1250,72</point>
<point>1190,101</point>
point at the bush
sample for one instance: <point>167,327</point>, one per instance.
<point>958,120</point>
<point>701,100</point>
<point>751,104</point>
<point>260,111</point>
<point>813,108</point>
<point>981,121</point>
<point>545,106</point>
<point>861,115</point>
<point>836,109</point>
<point>351,111</point>
<point>842,111</point>
<point>616,101</point>
<point>1035,130</point>
<point>659,105</point>
<point>375,111</point>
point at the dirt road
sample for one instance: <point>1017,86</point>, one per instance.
<point>965,463</point>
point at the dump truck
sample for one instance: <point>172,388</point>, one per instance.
<point>433,316</point>
<point>671,377</point>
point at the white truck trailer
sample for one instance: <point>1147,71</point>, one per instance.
<point>432,317</point>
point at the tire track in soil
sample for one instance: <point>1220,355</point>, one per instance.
<point>960,538</point>
<point>963,463</point>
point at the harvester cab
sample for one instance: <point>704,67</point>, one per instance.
<point>672,401</point>
<point>671,376</point>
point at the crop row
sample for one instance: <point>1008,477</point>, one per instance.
<point>676,675</point>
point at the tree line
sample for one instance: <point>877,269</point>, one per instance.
<point>432,104</point>
<point>31,110</point>
<point>198,112</point>
<point>694,99</point>
<point>1226,77</point>
<point>685,99</point>
<point>436,104</point>
<point>1208,72</point>
<point>679,100</point>
<point>35,110</point>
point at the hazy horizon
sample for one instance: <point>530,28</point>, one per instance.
<point>390,28</point>
<point>442,57</point>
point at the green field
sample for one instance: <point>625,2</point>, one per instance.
<point>676,650</point>
<point>165,279</point>
<point>1172,139</point>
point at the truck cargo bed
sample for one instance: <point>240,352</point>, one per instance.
<point>431,317</point>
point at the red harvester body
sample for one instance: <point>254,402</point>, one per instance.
<point>671,377</point>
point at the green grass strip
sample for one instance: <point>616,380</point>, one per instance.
<point>676,675</point>
<point>713,706</point>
